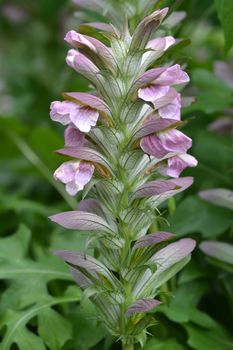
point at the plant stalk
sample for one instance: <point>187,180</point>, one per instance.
<point>127,346</point>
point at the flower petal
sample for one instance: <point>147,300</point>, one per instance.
<point>156,49</point>
<point>84,118</point>
<point>171,110</point>
<point>175,165</point>
<point>72,188</point>
<point>161,43</point>
<point>171,141</point>
<point>78,40</point>
<point>74,137</point>
<point>152,145</point>
<point>66,172</point>
<point>83,174</point>
<point>175,141</point>
<point>172,76</point>
<point>152,92</point>
<point>60,111</point>
<point>82,64</point>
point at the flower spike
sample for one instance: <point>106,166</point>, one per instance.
<point>126,154</point>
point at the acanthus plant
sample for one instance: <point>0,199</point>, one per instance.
<point>127,154</point>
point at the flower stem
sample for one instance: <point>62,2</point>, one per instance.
<point>127,346</point>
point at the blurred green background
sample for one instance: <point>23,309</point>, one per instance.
<point>36,289</point>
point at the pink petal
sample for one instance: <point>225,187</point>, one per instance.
<point>83,175</point>
<point>74,137</point>
<point>175,165</point>
<point>72,188</point>
<point>162,144</point>
<point>171,110</point>
<point>161,43</point>
<point>76,40</point>
<point>173,75</point>
<point>75,175</point>
<point>66,172</point>
<point>152,92</point>
<point>152,145</point>
<point>175,141</point>
<point>84,118</point>
<point>60,111</point>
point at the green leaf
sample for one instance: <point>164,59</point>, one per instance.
<point>216,339</point>
<point>27,295</point>
<point>165,344</point>
<point>183,305</point>
<point>87,330</point>
<point>194,215</point>
<point>225,10</point>
<point>27,340</point>
<point>214,94</point>
<point>53,328</point>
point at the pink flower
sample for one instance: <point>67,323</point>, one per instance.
<point>160,145</point>
<point>67,112</point>
<point>176,164</point>
<point>75,175</point>
<point>160,86</point>
<point>172,109</point>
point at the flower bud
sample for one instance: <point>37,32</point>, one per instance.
<point>82,65</point>
<point>78,40</point>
